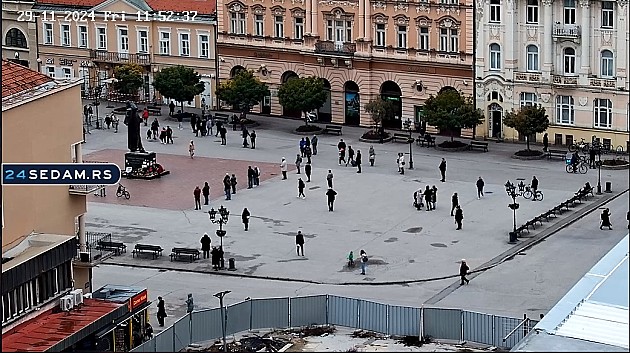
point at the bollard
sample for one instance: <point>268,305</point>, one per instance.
<point>608,186</point>
<point>231,266</point>
<point>513,238</point>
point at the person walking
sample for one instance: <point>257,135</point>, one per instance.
<point>205,245</point>
<point>206,193</point>
<point>191,149</point>
<point>256,176</point>
<point>329,179</point>
<point>245,218</point>
<point>233,183</point>
<point>210,125</point>
<point>197,194</point>
<point>454,202</point>
<point>171,108</point>
<point>463,271</point>
<point>180,121</point>
<point>314,144</point>
<point>480,184</point>
<point>223,132</point>
<point>298,163</point>
<point>401,163</point>
<point>433,197</point>
<point>307,170</point>
<point>341,146</point>
<point>301,187</point>
<point>169,135</point>
<point>252,138</point>
<point>592,153</point>
<point>145,116</point>
<point>364,260</point>
<point>545,142</point>
<point>227,187</point>
<point>245,135</point>
<point>605,219</point>
<point>350,156</point>
<point>428,198</point>
<point>351,259</point>
<point>302,145</point>
<point>163,136</point>
<point>299,242</point>
<point>331,198</point>
<point>283,168</point>
<point>372,155</point>
<point>357,161</point>
<point>161,312</point>
<point>155,127</point>
<point>251,174</point>
<point>442,168</point>
<point>459,216</point>
<point>534,186</point>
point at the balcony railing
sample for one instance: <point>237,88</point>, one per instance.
<point>96,253</point>
<point>84,189</point>
<point>564,80</point>
<point>113,57</point>
<point>330,47</point>
<point>597,82</point>
<point>527,77</point>
<point>566,31</point>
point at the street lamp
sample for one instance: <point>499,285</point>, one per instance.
<point>220,295</point>
<point>599,170</point>
<point>223,219</point>
<point>407,126</point>
<point>510,189</point>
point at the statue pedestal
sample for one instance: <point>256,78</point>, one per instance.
<point>142,165</point>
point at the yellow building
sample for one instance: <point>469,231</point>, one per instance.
<point>103,34</point>
<point>19,34</point>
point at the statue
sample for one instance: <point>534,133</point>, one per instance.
<point>133,120</point>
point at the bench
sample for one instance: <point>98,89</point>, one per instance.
<point>332,129</point>
<point>585,193</point>
<point>421,141</point>
<point>520,230</point>
<point>556,153</point>
<point>478,144</point>
<point>117,247</point>
<point>187,253</point>
<point>222,117</point>
<point>154,111</point>
<point>400,137</point>
<point>154,250</point>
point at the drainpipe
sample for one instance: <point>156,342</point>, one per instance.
<point>215,104</point>
<point>78,155</point>
<point>474,61</point>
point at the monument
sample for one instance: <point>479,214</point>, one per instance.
<point>139,164</point>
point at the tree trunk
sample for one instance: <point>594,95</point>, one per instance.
<point>452,136</point>
<point>527,142</point>
<point>182,105</point>
<point>305,118</point>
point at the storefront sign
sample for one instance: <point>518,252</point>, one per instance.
<point>84,63</point>
<point>259,54</point>
<point>50,61</point>
<point>138,300</point>
<point>421,69</point>
<point>66,62</point>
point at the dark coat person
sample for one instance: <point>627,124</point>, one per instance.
<point>161,312</point>
<point>480,184</point>
<point>245,217</point>
<point>459,216</point>
<point>299,242</point>
<point>206,192</point>
<point>251,175</point>
<point>442,168</point>
<point>545,142</point>
<point>358,161</point>
<point>605,219</point>
<point>331,198</point>
<point>454,202</point>
<point>308,168</point>
<point>301,187</point>
<point>197,194</point>
<point>205,245</point>
<point>215,258</point>
<point>463,271</point>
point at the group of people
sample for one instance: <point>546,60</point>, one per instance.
<point>215,253</point>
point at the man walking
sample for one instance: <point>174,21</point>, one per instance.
<point>357,161</point>
<point>314,144</point>
<point>223,132</point>
<point>341,146</point>
<point>364,260</point>
<point>545,142</point>
<point>350,156</point>
<point>301,187</point>
<point>206,193</point>
<point>534,187</point>
<point>233,183</point>
<point>463,271</point>
<point>331,198</point>
<point>252,138</point>
<point>299,242</point>
<point>401,163</point>
<point>227,187</point>
<point>372,155</point>
<point>161,312</point>
<point>171,108</point>
<point>245,218</point>
<point>443,170</point>
<point>480,185</point>
<point>454,202</point>
<point>329,179</point>
<point>283,168</point>
<point>298,162</point>
<point>307,170</point>
<point>245,134</point>
<point>459,216</point>
<point>205,245</point>
<point>251,174</point>
<point>197,194</point>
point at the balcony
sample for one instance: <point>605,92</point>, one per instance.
<point>527,77</point>
<point>84,189</point>
<point>122,58</point>
<point>564,80</point>
<point>561,31</point>
<point>330,47</point>
<point>597,82</point>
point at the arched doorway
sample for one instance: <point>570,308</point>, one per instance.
<point>286,77</point>
<point>324,114</point>
<point>352,103</point>
<point>15,38</point>
<point>235,70</point>
<point>495,112</point>
<point>391,91</point>
<point>447,88</point>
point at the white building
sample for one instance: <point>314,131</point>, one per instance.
<point>570,56</point>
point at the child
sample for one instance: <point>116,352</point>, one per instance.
<point>191,149</point>
<point>351,259</point>
<point>149,134</point>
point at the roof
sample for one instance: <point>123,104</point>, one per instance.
<point>57,330</point>
<point>201,6</point>
<point>593,315</point>
<point>17,78</point>
<point>115,293</point>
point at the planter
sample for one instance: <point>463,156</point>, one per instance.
<point>308,130</point>
<point>454,146</point>
<point>528,155</point>
<point>371,137</point>
<point>615,164</point>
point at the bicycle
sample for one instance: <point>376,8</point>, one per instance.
<point>122,192</point>
<point>582,167</point>
<point>581,146</point>
<point>529,193</point>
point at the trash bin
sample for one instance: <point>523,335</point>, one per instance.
<point>231,266</point>
<point>608,186</point>
<point>513,238</point>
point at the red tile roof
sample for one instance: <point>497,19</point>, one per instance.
<point>50,328</point>
<point>201,6</point>
<point>17,78</point>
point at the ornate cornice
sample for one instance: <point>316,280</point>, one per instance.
<point>237,6</point>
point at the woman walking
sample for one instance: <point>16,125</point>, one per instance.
<point>606,219</point>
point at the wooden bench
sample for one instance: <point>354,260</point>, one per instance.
<point>478,144</point>
<point>332,129</point>
<point>520,230</point>
<point>222,117</point>
<point>422,140</point>
<point>556,153</point>
<point>154,111</point>
<point>154,250</point>
<point>187,253</point>
<point>400,137</point>
<point>117,247</point>
<point>585,193</point>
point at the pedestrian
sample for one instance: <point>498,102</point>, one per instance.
<point>299,242</point>
<point>227,187</point>
<point>302,146</point>
<point>252,138</point>
<point>442,168</point>
<point>428,197</point>
<point>199,126</point>
<point>534,186</point>
<point>314,144</point>
<point>149,134</point>
<point>463,271</point>
<point>193,123</point>
<point>605,219</point>
<point>161,312</point>
<point>341,146</point>
<point>180,120</point>
<point>364,260</point>
<point>233,183</point>
<point>171,108</point>
<point>223,132</point>
<point>307,170</point>
<point>250,177</point>
<point>545,142</point>
<point>401,163</point>
<point>350,156</point>
<point>433,196</point>
<point>480,185</point>
<point>155,126</point>
<point>329,179</point>
<point>214,253</point>
<point>197,194</point>
<point>357,161</point>
<point>575,158</point>
<point>234,122</point>
<point>206,193</point>
<point>308,142</point>
<point>205,245</point>
<point>245,134</point>
<point>169,135</point>
<point>145,116</point>
<point>331,198</point>
<point>454,202</point>
<point>256,176</point>
<point>163,136</point>
<point>591,157</point>
<point>191,149</point>
<point>417,199</point>
<point>351,259</point>
<point>219,126</point>
<point>283,168</point>
<point>372,156</point>
<point>210,125</point>
<point>308,152</point>
<point>298,163</point>
<point>301,187</point>
<point>459,216</point>
<point>245,217</point>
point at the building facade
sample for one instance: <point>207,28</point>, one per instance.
<point>399,50</point>
<point>19,33</point>
<point>569,56</point>
<point>153,34</point>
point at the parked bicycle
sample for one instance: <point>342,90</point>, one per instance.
<point>122,192</point>
<point>581,146</point>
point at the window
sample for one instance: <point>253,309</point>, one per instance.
<point>67,72</point>
<point>454,40</point>
<point>532,11</point>
<point>237,23</point>
<point>15,38</point>
<point>143,41</point>
<point>165,43</point>
<point>401,37</point>
<point>443,39</point>
<point>83,36</point>
<point>48,33</point>
<point>299,28</point>
<point>603,113</point>
<point>204,46</point>
<point>65,35</point>
<point>50,71</point>
<point>495,56</point>
<point>565,112</point>
<point>528,99</point>
<point>495,10</point>
<point>608,14</point>
<point>424,38</point>
<point>259,25</point>
<point>349,31</point>
<point>184,44</point>
<point>532,58</point>
<point>607,67</point>
<point>569,12</point>
<point>569,61</point>
<point>278,26</point>
<point>341,31</point>
<point>123,40</point>
<point>380,35</point>
<point>101,38</point>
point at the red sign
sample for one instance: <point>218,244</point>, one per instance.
<point>138,300</point>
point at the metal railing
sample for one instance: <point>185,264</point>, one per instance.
<point>114,57</point>
<point>91,244</point>
<point>566,31</point>
<point>330,47</point>
<point>84,189</point>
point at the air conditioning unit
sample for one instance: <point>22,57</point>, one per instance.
<point>78,296</point>
<point>66,303</point>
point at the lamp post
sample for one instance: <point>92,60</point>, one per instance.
<point>221,220</point>
<point>599,171</point>
<point>220,295</point>
<point>407,125</point>
<point>510,189</point>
